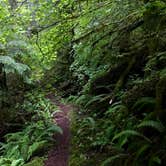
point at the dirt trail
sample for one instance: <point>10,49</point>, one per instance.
<point>59,155</point>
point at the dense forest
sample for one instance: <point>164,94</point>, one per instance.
<point>105,59</point>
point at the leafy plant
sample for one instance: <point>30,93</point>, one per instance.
<point>111,159</point>
<point>108,56</point>
<point>36,135</point>
<point>144,103</point>
<point>10,65</point>
<point>130,133</point>
<point>153,124</point>
<point>34,138</point>
<point>11,162</point>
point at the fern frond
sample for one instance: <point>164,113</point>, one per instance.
<point>141,150</point>
<point>154,124</point>
<point>36,146</point>
<point>144,102</point>
<point>130,133</point>
<point>95,99</point>
<point>116,108</point>
<point>11,66</point>
<point>154,160</point>
<point>19,162</point>
<point>111,159</point>
<point>89,121</point>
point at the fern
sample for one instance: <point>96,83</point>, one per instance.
<point>11,162</point>
<point>144,102</point>
<point>115,108</point>
<point>13,137</point>
<point>11,66</point>
<point>36,146</point>
<point>32,139</point>
<point>111,159</point>
<point>154,124</point>
<point>36,135</point>
<point>122,141</point>
<point>95,99</point>
<point>141,151</point>
<point>89,122</point>
<point>18,162</point>
<point>154,160</point>
<point>130,133</point>
<point>51,129</point>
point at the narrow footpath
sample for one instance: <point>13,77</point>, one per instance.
<point>59,156</point>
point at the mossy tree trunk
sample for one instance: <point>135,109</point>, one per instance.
<point>3,94</point>
<point>3,85</point>
<point>124,74</point>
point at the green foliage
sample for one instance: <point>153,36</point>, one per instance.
<point>95,99</point>
<point>144,103</point>
<point>34,138</point>
<point>36,162</point>
<point>36,135</point>
<point>10,66</point>
<point>130,133</point>
<point>11,162</point>
<point>111,159</point>
<point>154,124</point>
<point>121,135</point>
<point>104,55</point>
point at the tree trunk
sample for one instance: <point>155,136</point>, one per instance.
<point>3,86</point>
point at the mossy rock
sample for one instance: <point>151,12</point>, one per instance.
<point>37,161</point>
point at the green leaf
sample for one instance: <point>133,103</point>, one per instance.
<point>144,102</point>
<point>130,133</point>
<point>55,128</point>
<point>10,65</point>
<point>154,124</point>
<point>18,162</point>
<point>111,159</point>
<point>36,146</point>
<point>141,150</point>
<point>154,160</point>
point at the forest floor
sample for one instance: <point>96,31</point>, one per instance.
<point>59,156</point>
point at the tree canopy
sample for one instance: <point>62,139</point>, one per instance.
<point>108,57</point>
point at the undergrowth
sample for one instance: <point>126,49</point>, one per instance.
<point>36,135</point>
<point>119,138</point>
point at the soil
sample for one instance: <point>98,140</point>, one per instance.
<point>59,155</point>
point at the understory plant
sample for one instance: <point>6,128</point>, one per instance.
<point>120,137</point>
<point>36,135</point>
